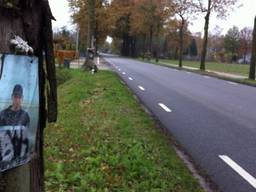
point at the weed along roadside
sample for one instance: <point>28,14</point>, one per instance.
<point>104,141</point>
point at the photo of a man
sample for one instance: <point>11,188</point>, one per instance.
<point>14,115</point>
<point>19,109</point>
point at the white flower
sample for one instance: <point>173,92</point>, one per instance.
<point>21,45</point>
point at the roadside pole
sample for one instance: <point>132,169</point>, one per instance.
<point>31,21</point>
<point>253,57</point>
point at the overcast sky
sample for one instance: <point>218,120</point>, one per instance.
<point>242,17</point>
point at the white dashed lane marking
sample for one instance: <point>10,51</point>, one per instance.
<point>237,168</point>
<point>130,78</point>
<point>165,107</point>
<point>141,88</point>
<point>124,73</point>
<point>232,83</point>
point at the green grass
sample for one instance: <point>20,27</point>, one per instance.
<point>214,66</point>
<point>104,141</point>
<point>237,69</point>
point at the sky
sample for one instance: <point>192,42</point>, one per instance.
<point>61,12</point>
<point>242,17</point>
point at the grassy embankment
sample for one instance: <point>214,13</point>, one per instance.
<point>236,69</point>
<point>104,141</point>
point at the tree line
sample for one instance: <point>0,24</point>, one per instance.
<point>159,28</point>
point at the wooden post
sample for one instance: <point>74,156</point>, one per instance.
<point>31,20</point>
<point>253,57</point>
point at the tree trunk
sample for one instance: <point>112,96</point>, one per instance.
<point>144,46</point>
<point>253,58</point>
<point>91,23</point>
<point>150,42</point>
<point>181,36</point>
<point>205,42</point>
<point>125,51</point>
<point>133,47</point>
<point>32,22</point>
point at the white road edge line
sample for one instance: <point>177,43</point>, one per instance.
<point>207,77</point>
<point>165,107</point>
<point>243,173</point>
<point>141,88</point>
<point>130,78</point>
<point>232,83</point>
<point>188,72</point>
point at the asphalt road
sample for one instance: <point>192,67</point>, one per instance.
<point>213,119</point>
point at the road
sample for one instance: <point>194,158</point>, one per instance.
<point>213,119</point>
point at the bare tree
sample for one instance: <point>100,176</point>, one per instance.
<point>245,42</point>
<point>221,8</point>
<point>253,57</point>
<point>184,9</point>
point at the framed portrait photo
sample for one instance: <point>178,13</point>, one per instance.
<point>19,109</point>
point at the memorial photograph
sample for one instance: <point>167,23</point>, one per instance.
<point>19,104</point>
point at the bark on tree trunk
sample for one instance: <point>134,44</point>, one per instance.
<point>133,47</point>
<point>150,40</point>
<point>91,23</point>
<point>181,34</point>
<point>253,58</point>
<point>205,42</point>
<point>144,46</point>
<point>32,22</point>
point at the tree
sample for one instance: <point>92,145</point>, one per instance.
<point>96,10</point>
<point>221,9</point>
<point>147,19</point>
<point>193,48</point>
<point>253,57</point>
<point>91,24</point>
<point>118,20</point>
<point>64,39</point>
<point>216,45</point>
<point>231,42</point>
<point>31,20</point>
<point>173,38</point>
<point>184,9</point>
<point>245,42</point>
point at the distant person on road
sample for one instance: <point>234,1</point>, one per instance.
<point>14,115</point>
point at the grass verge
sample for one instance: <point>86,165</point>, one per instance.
<point>236,69</point>
<point>104,141</point>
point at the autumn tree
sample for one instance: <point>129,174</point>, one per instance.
<point>147,19</point>
<point>118,20</point>
<point>253,57</point>
<point>64,39</point>
<point>193,48</point>
<point>245,41</point>
<point>231,42</point>
<point>216,51</point>
<point>184,9</point>
<point>93,27</point>
<point>221,9</point>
